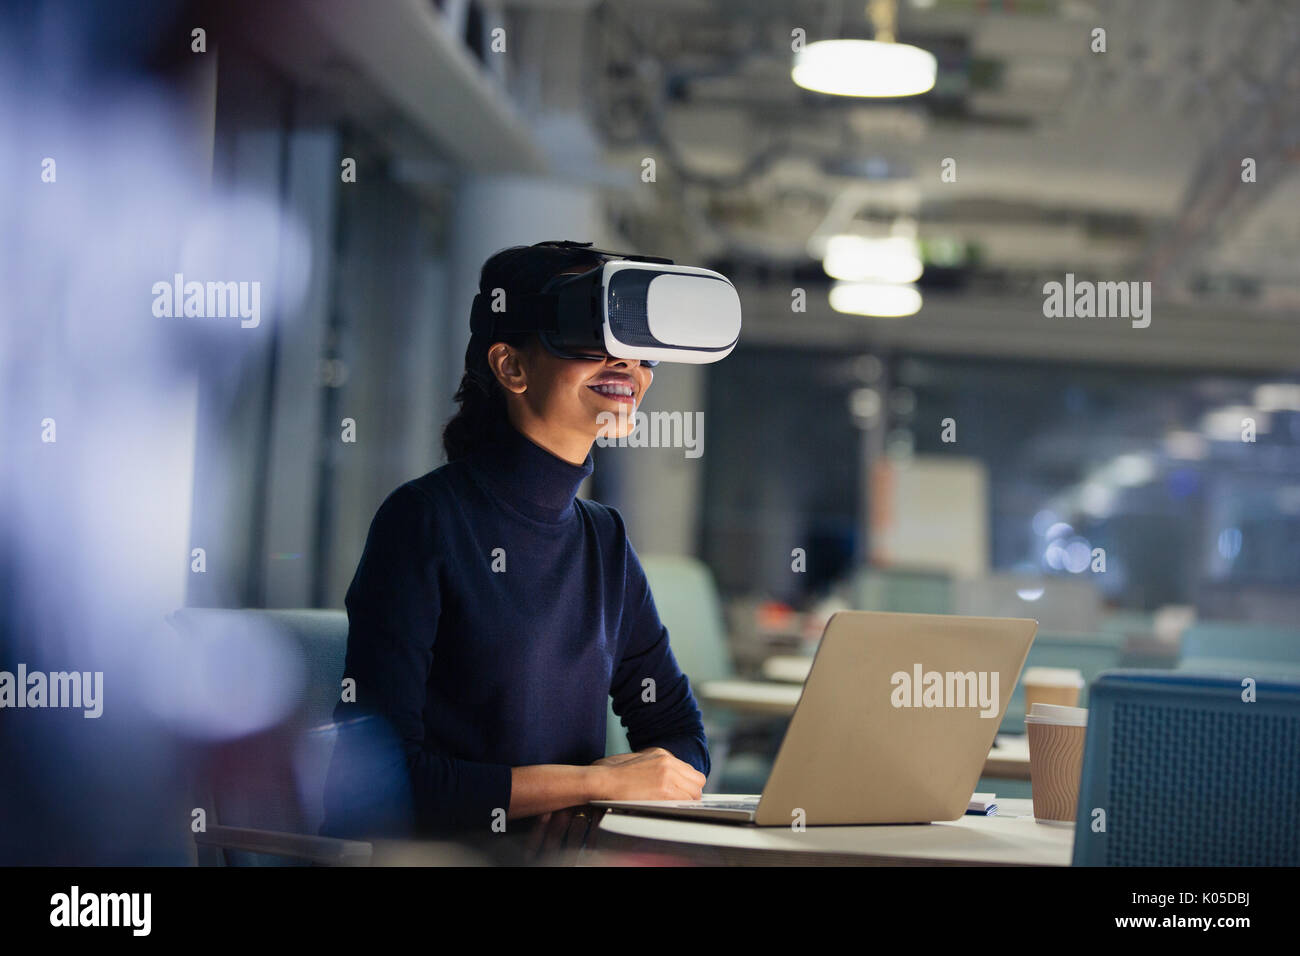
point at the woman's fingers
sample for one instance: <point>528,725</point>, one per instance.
<point>556,829</point>
<point>692,791</point>
<point>692,779</point>
<point>690,784</point>
<point>538,832</point>
<point>686,782</point>
<point>655,774</point>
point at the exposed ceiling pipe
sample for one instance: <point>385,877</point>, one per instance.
<point>1215,195</point>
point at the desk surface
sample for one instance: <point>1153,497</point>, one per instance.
<point>755,697</point>
<point>1011,838</point>
<point>789,668</point>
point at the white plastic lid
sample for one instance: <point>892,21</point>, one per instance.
<point>1056,714</point>
<point>1053,677</point>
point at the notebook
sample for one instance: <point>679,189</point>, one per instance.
<point>982,804</point>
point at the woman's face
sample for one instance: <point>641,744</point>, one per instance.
<point>593,398</point>
<point>578,397</point>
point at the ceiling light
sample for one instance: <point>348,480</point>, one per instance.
<point>861,259</point>
<point>864,68</point>
<point>877,299</point>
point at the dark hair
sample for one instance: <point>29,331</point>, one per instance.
<point>482,417</point>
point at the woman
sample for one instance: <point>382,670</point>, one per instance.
<point>493,613</point>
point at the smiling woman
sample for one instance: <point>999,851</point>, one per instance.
<point>493,613</point>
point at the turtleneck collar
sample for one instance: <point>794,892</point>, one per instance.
<point>532,480</point>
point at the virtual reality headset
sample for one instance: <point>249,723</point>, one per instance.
<point>632,307</point>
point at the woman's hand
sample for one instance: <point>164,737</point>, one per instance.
<point>551,832</point>
<point>653,774</point>
<point>611,761</point>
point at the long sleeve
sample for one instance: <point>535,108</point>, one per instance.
<point>393,607</point>
<point>671,719</point>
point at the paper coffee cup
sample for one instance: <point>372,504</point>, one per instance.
<point>1056,734</point>
<point>1052,685</point>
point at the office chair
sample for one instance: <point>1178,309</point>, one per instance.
<point>1231,647</point>
<point>1179,770</point>
<point>907,592</point>
<point>687,601</point>
<point>263,794</point>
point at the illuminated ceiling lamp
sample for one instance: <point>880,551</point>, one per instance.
<point>880,300</point>
<point>879,67</point>
<point>864,259</point>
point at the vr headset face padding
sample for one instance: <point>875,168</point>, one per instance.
<point>645,309</point>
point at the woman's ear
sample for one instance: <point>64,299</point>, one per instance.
<point>504,360</point>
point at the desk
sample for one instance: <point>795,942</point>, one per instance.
<point>1009,758</point>
<point>789,668</point>
<point>752,697</point>
<point>1012,838</point>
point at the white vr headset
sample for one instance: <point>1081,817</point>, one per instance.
<point>633,307</point>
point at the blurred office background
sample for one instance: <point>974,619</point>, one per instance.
<point>824,430</point>
<point>973,455</point>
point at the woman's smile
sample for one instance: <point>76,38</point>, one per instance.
<point>617,388</point>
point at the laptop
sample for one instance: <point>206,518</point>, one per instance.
<point>894,723</point>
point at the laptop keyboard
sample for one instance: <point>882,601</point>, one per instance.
<point>750,804</point>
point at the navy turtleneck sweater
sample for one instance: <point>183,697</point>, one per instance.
<point>491,617</point>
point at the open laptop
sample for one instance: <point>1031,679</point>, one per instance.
<point>896,718</point>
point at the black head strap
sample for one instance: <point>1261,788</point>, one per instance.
<point>530,313</point>
<point>587,247</point>
<point>539,312</point>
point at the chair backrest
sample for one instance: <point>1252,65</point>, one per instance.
<point>1088,653</point>
<point>1235,647</point>
<point>1181,770</point>
<point>1231,599</point>
<point>275,779</point>
<point>686,598</point>
<point>1126,624</point>
<point>1063,604</point>
<point>908,592</point>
